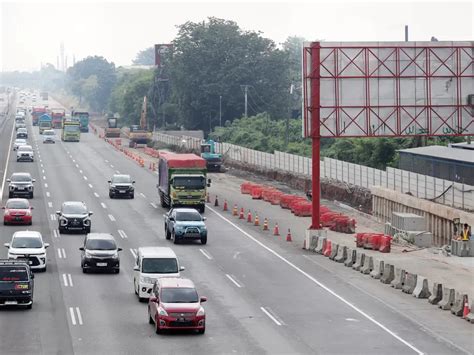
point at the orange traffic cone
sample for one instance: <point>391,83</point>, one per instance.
<point>241,216</point>
<point>216,202</point>
<point>257,221</point>
<point>208,198</point>
<point>265,224</point>
<point>225,205</point>
<point>249,217</point>
<point>288,236</point>
<point>276,230</point>
<point>234,211</point>
<point>466,309</point>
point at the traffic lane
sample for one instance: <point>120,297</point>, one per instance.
<point>257,322</point>
<point>45,323</point>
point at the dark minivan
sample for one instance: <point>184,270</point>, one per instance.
<point>16,283</point>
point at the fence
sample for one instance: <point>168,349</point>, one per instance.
<point>423,186</point>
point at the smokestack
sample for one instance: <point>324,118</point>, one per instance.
<point>406,33</point>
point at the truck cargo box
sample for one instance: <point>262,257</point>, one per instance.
<point>183,160</point>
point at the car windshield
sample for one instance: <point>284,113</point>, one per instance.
<point>25,148</point>
<point>21,178</point>
<point>121,179</point>
<point>18,204</point>
<point>100,244</point>
<point>188,216</point>
<point>26,242</point>
<point>74,209</point>
<point>179,295</point>
<point>159,266</point>
<point>71,128</point>
<point>48,133</point>
<point>194,182</point>
<point>13,273</point>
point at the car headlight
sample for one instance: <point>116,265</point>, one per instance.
<point>115,256</point>
<point>147,280</point>
<point>88,255</point>
<point>162,311</point>
<point>200,312</point>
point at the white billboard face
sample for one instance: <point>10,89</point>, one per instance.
<point>390,88</point>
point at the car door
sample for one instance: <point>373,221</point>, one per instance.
<point>136,273</point>
<point>83,251</point>
<point>167,221</point>
<point>154,305</point>
<point>172,220</point>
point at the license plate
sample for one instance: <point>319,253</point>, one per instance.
<point>122,191</point>
<point>101,264</point>
<point>21,188</point>
<point>18,218</point>
<point>8,303</point>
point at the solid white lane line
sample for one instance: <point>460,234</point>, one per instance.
<point>270,316</point>
<point>123,235</point>
<point>85,177</point>
<point>233,281</point>
<point>103,205</point>
<point>311,278</point>
<point>134,253</point>
<point>69,276</point>
<point>79,316</point>
<point>111,166</point>
<point>50,204</point>
<point>96,194</point>
<point>46,185</point>
<point>153,205</point>
<point>48,194</point>
<point>142,195</point>
<point>90,185</point>
<point>55,233</point>
<point>73,317</point>
<point>112,218</point>
<point>106,161</point>
<point>206,254</point>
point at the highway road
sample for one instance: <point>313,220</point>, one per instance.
<point>263,297</point>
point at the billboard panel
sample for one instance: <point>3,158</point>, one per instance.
<point>160,51</point>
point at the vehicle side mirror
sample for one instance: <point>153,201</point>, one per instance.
<point>136,268</point>
<point>7,245</point>
<point>182,268</point>
<point>133,181</point>
<point>32,208</point>
<point>204,218</point>
<point>91,213</point>
<point>203,299</point>
<point>81,248</point>
<point>119,249</point>
<point>8,180</point>
<point>171,218</point>
<point>58,213</point>
<point>46,245</point>
<point>110,181</point>
<point>33,180</point>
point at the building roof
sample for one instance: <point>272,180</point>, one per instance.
<point>463,145</point>
<point>441,152</point>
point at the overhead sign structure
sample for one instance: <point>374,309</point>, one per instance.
<point>160,51</point>
<point>385,89</point>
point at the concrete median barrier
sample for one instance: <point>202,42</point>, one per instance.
<point>399,279</point>
<point>410,283</point>
<point>437,294</point>
<point>368,266</point>
<point>321,245</point>
<point>377,272</point>
<point>314,243</point>
<point>470,315</point>
<point>351,257</point>
<point>334,250</point>
<point>359,261</point>
<point>341,255</point>
<point>421,290</point>
<point>388,274</point>
<point>458,305</point>
<point>448,299</point>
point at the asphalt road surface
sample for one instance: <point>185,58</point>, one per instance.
<point>262,296</point>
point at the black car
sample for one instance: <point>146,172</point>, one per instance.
<point>16,283</point>
<point>121,185</point>
<point>20,184</point>
<point>100,252</point>
<point>74,216</point>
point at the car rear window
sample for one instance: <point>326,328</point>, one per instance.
<point>179,295</point>
<point>13,273</point>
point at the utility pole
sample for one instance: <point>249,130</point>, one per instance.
<point>220,110</point>
<point>246,87</point>
<point>406,33</point>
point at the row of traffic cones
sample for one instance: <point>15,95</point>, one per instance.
<point>256,221</point>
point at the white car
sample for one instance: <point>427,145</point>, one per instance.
<point>19,142</point>
<point>49,136</point>
<point>28,245</point>
<point>25,152</point>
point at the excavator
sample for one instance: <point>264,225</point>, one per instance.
<point>212,158</point>
<point>139,133</point>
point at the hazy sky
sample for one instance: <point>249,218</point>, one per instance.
<point>31,32</point>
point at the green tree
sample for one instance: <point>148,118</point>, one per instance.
<point>145,57</point>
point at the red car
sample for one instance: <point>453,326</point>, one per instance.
<point>17,211</point>
<point>174,304</point>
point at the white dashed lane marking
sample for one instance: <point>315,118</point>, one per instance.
<point>96,194</point>
<point>112,218</point>
<point>153,205</point>
<point>103,205</point>
<point>50,204</point>
<point>67,279</point>
<point>61,253</point>
<point>206,254</point>
<point>123,235</point>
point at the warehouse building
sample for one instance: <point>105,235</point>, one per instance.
<point>447,163</point>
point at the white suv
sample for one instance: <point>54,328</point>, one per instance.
<point>28,245</point>
<point>25,152</point>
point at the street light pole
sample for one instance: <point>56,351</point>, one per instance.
<point>220,110</point>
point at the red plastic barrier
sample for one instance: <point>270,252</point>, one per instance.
<point>327,218</point>
<point>246,187</point>
<point>343,224</point>
<point>385,243</point>
<point>275,197</point>
<point>267,193</point>
<point>372,241</point>
<point>359,239</point>
<point>285,200</point>
<point>327,250</point>
<point>323,209</point>
<point>293,205</point>
<point>302,209</point>
<point>256,192</point>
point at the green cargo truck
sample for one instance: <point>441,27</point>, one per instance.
<point>182,180</point>
<point>71,131</point>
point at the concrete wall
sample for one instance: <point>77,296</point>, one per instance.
<point>438,218</point>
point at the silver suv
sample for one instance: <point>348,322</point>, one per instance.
<point>25,153</point>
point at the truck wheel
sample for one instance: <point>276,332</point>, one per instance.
<point>202,208</point>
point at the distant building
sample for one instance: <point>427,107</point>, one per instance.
<point>449,163</point>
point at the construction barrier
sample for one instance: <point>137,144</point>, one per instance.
<point>256,192</point>
<point>448,299</point>
<point>458,305</point>
<point>341,255</point>
<point>377,272</point>
<point>421,290</point>
<point>437,294</point>
<point>334,250</point>
<point>328,248</point>
<point>470,316</point>
<point>385,243</point>
<point>321,245</point>
<point>246,187</point>
<point>351,257</point>
<point>399,279</point>
<point>285,200</point>
<point>368,265</point>
<point>410,283</point>
<point>359,261</point>
<point>388,274</point>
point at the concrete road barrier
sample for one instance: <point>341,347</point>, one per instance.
<point>458,305</point>
<point>351,257</point>
<point>321,245</point>
<point>368,266</point>
<point>360,257</point>
<point>388,274</point>
<point>437,293</point>
<point>341,255</point>
<point>377,272</point>
<point>334,250</point>
<point>448,299</point>
<point>421,290</point>
<point>410,283</point>
<point>470,315</point>
<point>399,279</point>
<point>313,243</point>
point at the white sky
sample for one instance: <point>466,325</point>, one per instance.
<point>31,32</point>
